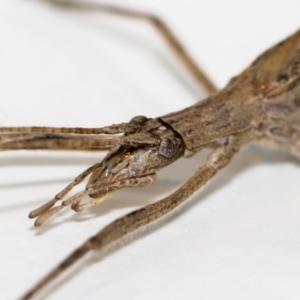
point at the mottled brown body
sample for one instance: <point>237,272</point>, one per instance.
<point>262,104</point>
<point>265,97</point>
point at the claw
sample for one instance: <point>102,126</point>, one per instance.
<point>76,206</point>
<point>35,213</point>
<point>47,215</point>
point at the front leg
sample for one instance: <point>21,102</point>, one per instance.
<point>129,223</point>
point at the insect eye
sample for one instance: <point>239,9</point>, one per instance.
<point>168,147</point>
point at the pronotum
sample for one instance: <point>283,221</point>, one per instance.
<point>86,289</point>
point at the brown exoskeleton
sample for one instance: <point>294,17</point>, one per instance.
<point>258,105</point>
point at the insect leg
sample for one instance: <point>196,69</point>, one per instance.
<point>70,138</point>
<point>50,212</point>
<point>202,79</point>
<point>18,138</point>
<point>143,216</point>
<point>56,142</point>
<point>44,208</point>
<point>113,129</point>
<point>78,207</point>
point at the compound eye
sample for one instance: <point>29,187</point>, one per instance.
<point>168,146</point>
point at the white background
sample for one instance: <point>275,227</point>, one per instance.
<point>236,239</point>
